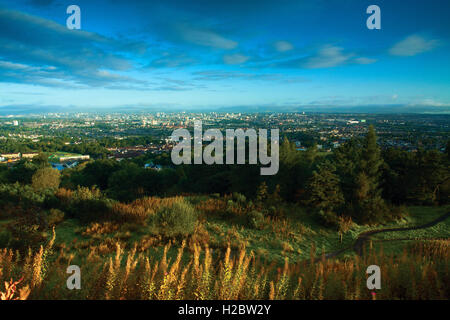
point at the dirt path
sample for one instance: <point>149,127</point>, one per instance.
<point>365,236</point>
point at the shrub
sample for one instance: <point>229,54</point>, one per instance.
<point>177,220</point>
<point>239,198</point>
<point>54,217</point>
<point>24,236</point>
<point>45,178</point>
<point>5,236</point>
<point>275,212</point>
<point>398,212</point>
<point>345,224</point>
<point>255,219</point>
<point>328,218</point>
<point>89,205</point>
<point>129,213</point>
<point>201,235</point>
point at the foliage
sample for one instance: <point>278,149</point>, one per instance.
<point>255,219</point>
<point>179,219</point>
<point>54,217</point>
<point>324,190</point>
<point>45,178</point>
<point>422,274</point>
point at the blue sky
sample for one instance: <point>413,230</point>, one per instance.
<point>171,54</point>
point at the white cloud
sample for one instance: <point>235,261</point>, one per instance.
<point>327,57</point>
<point>236,58</point>
<point>432,103</point>
<point>413,45</point>
<point>364,60</point>
<point>283,46</point>
<point>208,39</point>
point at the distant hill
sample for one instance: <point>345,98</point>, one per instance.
<point>382,109</point>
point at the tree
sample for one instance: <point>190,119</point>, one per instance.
<point>41,160</point>
<point>370,205</point>
<point>324,190</point>
<point>45,178</point>
<point>360,168</point>
<point>295,170</point>
<point>371,157</point>
<point>22,172</point>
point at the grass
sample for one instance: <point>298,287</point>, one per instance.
<point>222,227</point>
<point>293,236</point>
<point>420,273</point>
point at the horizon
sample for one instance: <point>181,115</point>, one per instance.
<point>201,56</point>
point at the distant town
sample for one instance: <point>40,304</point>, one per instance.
<point>69,139</point>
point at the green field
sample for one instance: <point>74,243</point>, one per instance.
<point>55,157</point>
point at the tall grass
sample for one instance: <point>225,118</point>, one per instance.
<point>196,273</point>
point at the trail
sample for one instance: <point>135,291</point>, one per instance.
<point>365,236</point>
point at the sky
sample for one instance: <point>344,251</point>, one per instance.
<point>181,54</point>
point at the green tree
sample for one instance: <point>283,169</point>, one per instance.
<point>324,190</point>
<point>347,159</point>
<point>41,160</point>
<point>45,178</point>
<point>370,205</point>
<point>22,172</point>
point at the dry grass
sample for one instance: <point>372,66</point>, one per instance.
<point>422,273</point>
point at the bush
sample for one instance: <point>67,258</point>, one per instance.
<point>399,212</point>
<point>275,212</point>
<point>54,217</point>
<point>239,198</point>
<point>133,213</point>
<point>178,220</point>
<point>46,178</point>
<point>255,220</point>
<point>5,236</point>
<point>328,218</point>
<point>88,205</point>
<point>24,236</point>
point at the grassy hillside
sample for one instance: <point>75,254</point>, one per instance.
<point>229,246</point>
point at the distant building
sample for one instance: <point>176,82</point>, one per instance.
<point>11,155</point>
<point>29,155</point>
<point>64,157</point>
<point>75,157</point>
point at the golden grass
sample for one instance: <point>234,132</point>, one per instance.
<point>421,273</point>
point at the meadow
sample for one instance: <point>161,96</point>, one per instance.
<point>222,248</point>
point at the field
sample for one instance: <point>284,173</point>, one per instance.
<point>228,256</point>
<point>55,156</point>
